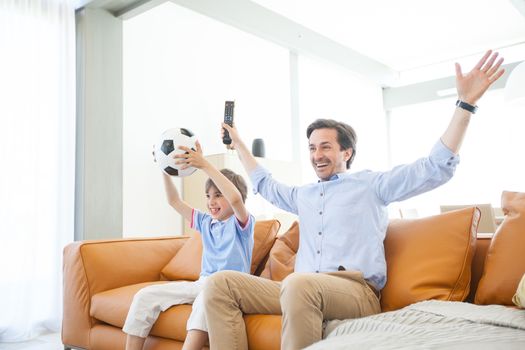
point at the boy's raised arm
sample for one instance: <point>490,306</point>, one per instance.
<point>174,199</point>
<point>228,190</point>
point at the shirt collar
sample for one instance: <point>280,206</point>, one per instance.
<point>215,221</point>
<point>332,178</point>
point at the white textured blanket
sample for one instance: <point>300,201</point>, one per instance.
<point>431,325</point>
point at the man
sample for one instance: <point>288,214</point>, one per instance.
<point>340,265</point>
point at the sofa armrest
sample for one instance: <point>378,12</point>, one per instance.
<point>91,267</point>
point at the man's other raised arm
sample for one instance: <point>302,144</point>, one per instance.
<point>471,87</point>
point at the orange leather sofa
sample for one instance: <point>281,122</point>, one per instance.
<point>437,257</point>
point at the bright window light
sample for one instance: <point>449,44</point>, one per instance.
<point>488,155</point>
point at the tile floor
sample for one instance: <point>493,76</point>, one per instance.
<point>45,342</point>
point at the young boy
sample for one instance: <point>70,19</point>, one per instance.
<point>227,239</point>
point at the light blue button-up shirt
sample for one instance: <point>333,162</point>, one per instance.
<point>343,222</point>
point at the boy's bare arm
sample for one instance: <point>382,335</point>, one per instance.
<point>174,199</point>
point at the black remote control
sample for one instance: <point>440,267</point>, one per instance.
<point>228,119</point>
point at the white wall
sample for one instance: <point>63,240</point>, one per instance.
<point>329,91</point>
<point>180,66</point>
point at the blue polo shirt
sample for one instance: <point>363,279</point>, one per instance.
<point>226,245</point>
<point>343,221</point>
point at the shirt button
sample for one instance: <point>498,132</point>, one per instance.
<point>320,213</point>
<point>318,252</point>
<point>320,233</point>
<point>316,271</point>
<point>322,194</point>
<point>449,163</point>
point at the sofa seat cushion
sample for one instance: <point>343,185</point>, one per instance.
<point>263,331</point>
<point>112,307</point>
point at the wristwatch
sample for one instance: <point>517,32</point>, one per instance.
<point>466,106</point>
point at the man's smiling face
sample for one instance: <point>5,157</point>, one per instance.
<point>326,155</point>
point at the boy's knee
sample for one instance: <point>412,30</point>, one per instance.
<point>144,295</point>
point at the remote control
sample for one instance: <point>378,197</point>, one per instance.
<point>228,119</point>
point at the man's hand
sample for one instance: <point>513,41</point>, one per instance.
<point>192,157</point>
<point>474,84</point>
<point>247,159</point>
<point>234,135</point>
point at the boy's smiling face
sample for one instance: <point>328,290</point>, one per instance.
<point>219,207</point>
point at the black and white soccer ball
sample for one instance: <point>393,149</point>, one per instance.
<point>168,146</point>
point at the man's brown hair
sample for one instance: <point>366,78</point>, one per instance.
<point>346,136</point>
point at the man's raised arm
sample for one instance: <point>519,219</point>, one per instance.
<point>471,87</point>
<point>247,160</point>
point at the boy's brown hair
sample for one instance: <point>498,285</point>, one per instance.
<point>235,179</point>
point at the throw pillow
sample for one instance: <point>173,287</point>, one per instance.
<point>281,261</point>
<point>505,260</point>
<point>429,258</point>
<point>519,298</point>
<point>186,264</point>
<point>264,235</point>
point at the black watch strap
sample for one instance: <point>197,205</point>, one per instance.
<point>466,106</point>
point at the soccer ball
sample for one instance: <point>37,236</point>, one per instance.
<point>167,147</point>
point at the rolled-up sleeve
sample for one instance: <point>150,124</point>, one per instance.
<point>425,174</point>
<point>278,194</point>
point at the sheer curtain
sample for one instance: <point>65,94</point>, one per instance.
<point>37,147</point>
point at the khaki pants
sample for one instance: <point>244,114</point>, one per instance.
<point>304,300</point>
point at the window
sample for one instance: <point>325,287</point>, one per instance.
<point>490,155</point>
<point>179,68</point>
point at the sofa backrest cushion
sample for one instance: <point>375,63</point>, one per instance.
<point>505,261</point>
<point>429,258</point>
<point>281,261</point>
<point>186,264</point>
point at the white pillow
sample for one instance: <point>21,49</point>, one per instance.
<point>519,297</point>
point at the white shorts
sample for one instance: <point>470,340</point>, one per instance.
<point>150,301</point>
